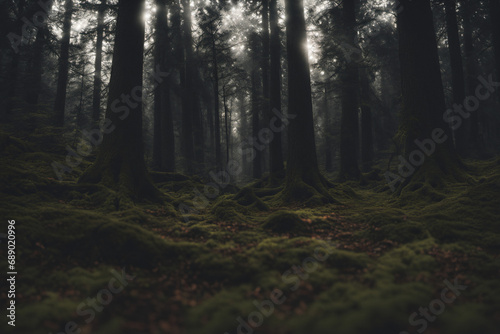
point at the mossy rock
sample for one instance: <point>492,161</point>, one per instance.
<point>285,222</point>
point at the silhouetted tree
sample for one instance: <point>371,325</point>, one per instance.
<point>62,77</point>
<point>120,160</point>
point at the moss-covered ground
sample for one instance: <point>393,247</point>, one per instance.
<point>380,257</point>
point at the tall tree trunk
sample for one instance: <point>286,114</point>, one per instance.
<point>11,82</point>
<point>35,75</point>
<point>457,71</point>
<point>81,118</point>
<point>266,115</point>
<point>470,67</point>
<point>37,63</point>
<point>163,134</point>
<point>62,79</point>
<point>243,133</point>
<point>303,180</point>
<point>275,147</point>
<point>120,161</point>
<point>194,129</point>
<point>227,124</point>
<point>256,100</point>
<point>422,94</point>
<point>327,132</point>
<point>187,117</point>
<point>218,153</point>
<point>96,94</point>
<point>495,30</point>
<point>349,128</point>
<point>366,123</point>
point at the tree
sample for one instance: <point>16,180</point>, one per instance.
<point>470,67</point>
<point>422,94</point>
<point>62,78</point>
<point>256,99</point>
<point>265,55</point>
<point>210,18</point>
<point>96,94</point>
<point>457,71</point>
<point>303,180</point>
<point>327,126</point>
<point>192,118</point>
<point>366,122</point>
<point>163,137</point>
<point>275,150</point>
<point>349,133</point>
<point>35,75</point>
<point>495,30</point>
<point>120,160</point>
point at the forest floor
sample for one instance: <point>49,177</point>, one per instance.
<point>362,266</point>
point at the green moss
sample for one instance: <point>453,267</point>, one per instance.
<point>229,210</point>
<point>404,262</point>
<point>353,308</point>
<point>219,313</point>
<point>285,222</point>
<point>246,197</point>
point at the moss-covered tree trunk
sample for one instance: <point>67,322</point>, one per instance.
<point>422,97</point>
<point>303,179</point>
<point>120,161</point>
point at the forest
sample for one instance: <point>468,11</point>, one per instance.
<point>250,166</point>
